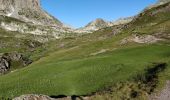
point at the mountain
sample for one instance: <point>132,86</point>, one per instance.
<point>100,23</point>
<point>28,11</point>
<point>164,1</point>
<point>27,16</point>
<point>94,26</point>
<point>126,61</point>
<point>122,21</point>
<point>159,2</point>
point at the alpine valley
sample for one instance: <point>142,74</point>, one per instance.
<point>42,58</point>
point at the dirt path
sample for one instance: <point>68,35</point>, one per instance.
<point>163,95</point>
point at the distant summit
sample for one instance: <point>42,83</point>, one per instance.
<point>97,24</point>
<point>122,21</point>
<point>101,23</point>
<point>94,26</point>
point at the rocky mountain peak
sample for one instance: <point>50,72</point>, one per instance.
<point>28,11</point>
<point>99,20</point>
<point>94,26</point>
<point>98,23</point>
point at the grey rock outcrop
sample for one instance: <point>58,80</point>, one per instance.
<point>45,97</point>
<point>33,97</point>
<point>7,58</point>
<point>4,65</point>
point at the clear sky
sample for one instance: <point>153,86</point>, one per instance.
<point>78,13</point>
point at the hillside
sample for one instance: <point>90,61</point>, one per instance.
<point>129,61</point>
<point>29,18</point>
<point>121,62</point>
<point>27,11</point>
<point>100,24</point>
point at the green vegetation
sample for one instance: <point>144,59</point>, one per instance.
<point>91,63</point>
<point>82,76</point>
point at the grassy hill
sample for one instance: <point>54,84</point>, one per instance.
<point>82,76</point>
<point>97,62</point>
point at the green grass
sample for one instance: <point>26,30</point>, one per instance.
<point>66,66</point>
<point>82,76</point>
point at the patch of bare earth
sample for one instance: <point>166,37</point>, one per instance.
<point>140,39</point>
<point>162,95</point>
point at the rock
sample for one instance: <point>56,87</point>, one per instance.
<point>163,95</point>
<point>33,97</point>
<point>4,66</point>
<point>44,97</point>
<point>148,39</point>
<point>145,39</point>
<point>7,58</point>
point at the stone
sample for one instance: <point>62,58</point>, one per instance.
<point>33,97</point>
<point>7,58</point>
<point>4,66</point>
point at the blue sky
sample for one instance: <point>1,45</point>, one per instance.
<point>78,13</point>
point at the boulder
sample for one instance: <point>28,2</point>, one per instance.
<point>7,58</point>
<point>33,97</point>
<point>4,66</point>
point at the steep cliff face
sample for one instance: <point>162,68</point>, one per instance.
<point>27,10</point>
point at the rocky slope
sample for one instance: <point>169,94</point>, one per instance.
<point>28,17</point>
<point>100,23</point>
<point>122,21</point>
<point>94,26</point>
<point>28,11</point>
<point>164,1</point>
<point>9,60</point>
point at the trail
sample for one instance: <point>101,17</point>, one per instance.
<point>163,95</point>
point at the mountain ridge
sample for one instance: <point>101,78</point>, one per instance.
<point>100,23</point>
<point>28,11</point>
